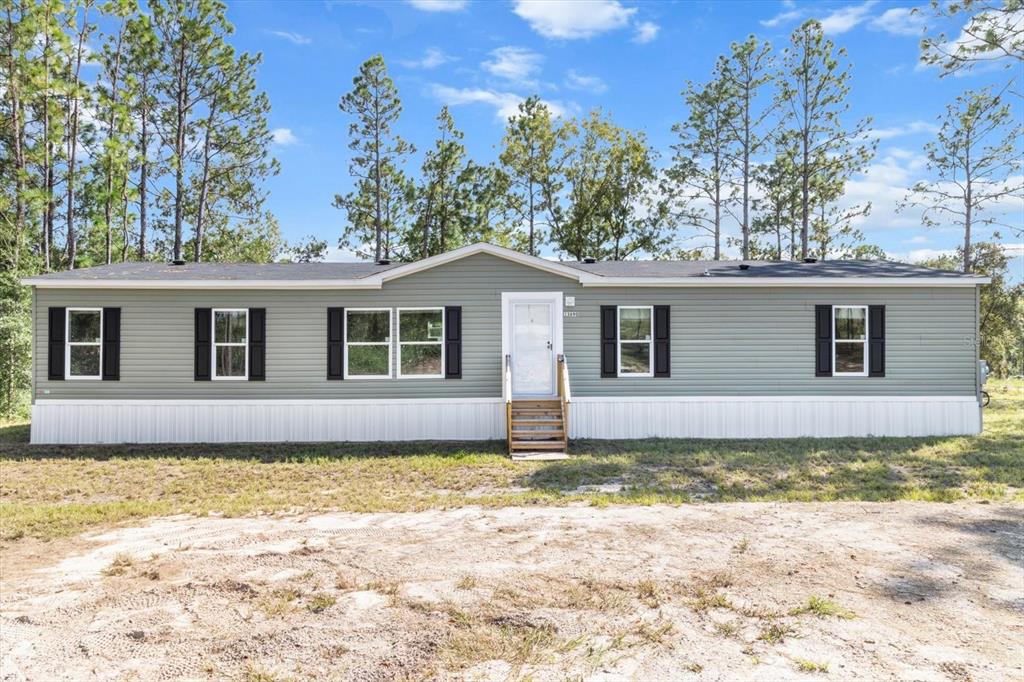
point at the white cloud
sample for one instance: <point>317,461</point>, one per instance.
<point>789,14</point>
<point>432,58</point>
<point>845,18</point>
<point>515,65</point>
<point>296,38</point>
<point>646,31</point>
<point>438,5</point>
<point>911,128</point>
<point>572,19</point>
<point>284,137</point>
<point>919,239</point>
<point>505,104</point>
<point>901,21</point>
<point>579,81</point>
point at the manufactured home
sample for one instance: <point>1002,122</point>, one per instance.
<point>487,343</point>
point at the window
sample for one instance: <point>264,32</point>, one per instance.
<point>231,344</point>
<point>368,343</point>
<point>83,356</point>
<point>635,341</point>
<point>420,342</point>
<point>849,340</point>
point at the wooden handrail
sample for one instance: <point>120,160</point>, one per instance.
<point>564,392</point>
<point>507,390</point>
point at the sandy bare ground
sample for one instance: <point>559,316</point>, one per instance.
<point>909,591</point>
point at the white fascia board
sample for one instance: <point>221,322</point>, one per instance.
<point>490,249</point>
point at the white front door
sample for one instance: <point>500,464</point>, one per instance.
<point>533,338</point>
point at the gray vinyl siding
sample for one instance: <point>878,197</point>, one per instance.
<point>725,341</point>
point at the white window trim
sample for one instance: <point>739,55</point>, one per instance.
<point>398,340</point>
<point>214,344</point>
<point>68,343</point>
<point>867,335</point>
<point>388,342</point>
<point>619,342</point>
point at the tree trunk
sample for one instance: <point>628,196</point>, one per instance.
<point>143,166</point>
<point>47,144</point>
<point>179,152</point>
<point>17,139</point>
<point>968,203</point>
<point>108,199</point>
<point>204,183</point>
<point>530,192</point>
<point>746,174</point>
<point>376,174</point>
<point>805,197</point>
<point>73,142</point>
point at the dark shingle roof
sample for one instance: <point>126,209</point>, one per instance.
<point>759,269</point>
<point>224,271</point>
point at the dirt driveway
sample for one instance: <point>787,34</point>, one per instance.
<point>715,592</point>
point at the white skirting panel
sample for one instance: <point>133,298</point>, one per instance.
<point>774,417</point>
<point>218,421</point>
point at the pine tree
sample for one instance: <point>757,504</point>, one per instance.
<point>379,152</point>
<point>774,231</point>
<point>813,94</point>
<point>439,196</point>
<point>746,71</point>
<point>975,165</point>
<point>528,157</point>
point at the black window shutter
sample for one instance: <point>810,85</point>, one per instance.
<point>335,343</point>
<point>55,350</point>
<point>111,344</point>
<point>662,333</point>
<point>609,339</point>
<point>203,343</point>
<point>876,340</point>
<point>823,340</point>
<point>453,342</point>
<point>257,344</point>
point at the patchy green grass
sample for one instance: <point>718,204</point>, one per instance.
<point>52,491</point>
<point>806,666</point>
<point>823,608</point>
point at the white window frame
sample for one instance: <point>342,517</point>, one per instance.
<point>388,342</point>
<point>398,340</point>
<point>619,342</point>
<point>233,344</point>
<point>68,343</point>
<point>867,335</point>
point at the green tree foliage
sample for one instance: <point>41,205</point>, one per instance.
<point>775,227</point>
<point>608,176</point>
<point>699,186</point>
<point>975,166</point>
<point>530,159</point>
<point>382,191</point>
<point>813,94</point>
<point>310,249</point>
<point>993,33</point>
<point>746,71</point>
<point>1001,307</point>
<point>441,194</point>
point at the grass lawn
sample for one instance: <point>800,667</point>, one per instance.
<point>52,491</point>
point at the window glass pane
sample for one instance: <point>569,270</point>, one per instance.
<point>634,323</point>
<point>84,325</point>
<point>850,323</point>
<point>231,361</point>
<point>368,360</point>
<point>419,325</point>
<point>635,358</point>
<point>85,361</point>
<point>229,327</point>
<point>849,357</point>
<point>369,326</point>
<point>421,359</point>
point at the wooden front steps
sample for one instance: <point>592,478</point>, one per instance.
<point>537,430</point>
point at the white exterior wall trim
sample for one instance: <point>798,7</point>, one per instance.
<point>67,421</point>
<point>774,417</point>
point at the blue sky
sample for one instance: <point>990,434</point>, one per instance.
<point>631,59</point>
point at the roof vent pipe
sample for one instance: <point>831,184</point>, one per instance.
<point>384,261</point>
<point>810,260</point>
<point>589,259</point>
<point>177,262</point>
<point>744,266</point>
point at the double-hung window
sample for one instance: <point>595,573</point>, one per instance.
<point>230,343</point>
<point>849,340</point>
<point>83,355</point>
<point>636,347</point>
<point>420,342</point>
<point>368,343</point>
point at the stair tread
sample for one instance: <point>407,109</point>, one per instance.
<point>538,444</point>
<point>536,422</point>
